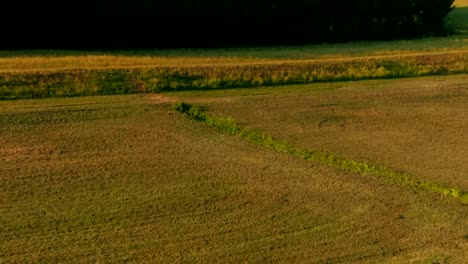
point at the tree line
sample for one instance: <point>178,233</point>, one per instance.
<point>217,23</point>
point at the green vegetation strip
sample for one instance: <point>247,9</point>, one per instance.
<point>80,82</point>
<point>229,126</point>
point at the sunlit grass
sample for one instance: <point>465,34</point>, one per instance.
<point>16,85</point>
<point>461,3</point>
<point>15,61</point>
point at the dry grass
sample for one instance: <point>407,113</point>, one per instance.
<point>461,3</point>
<point>23,84</point>
<point>126,179</point>
<point>44,61</point>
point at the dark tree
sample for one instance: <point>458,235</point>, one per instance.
<point>120,24</point>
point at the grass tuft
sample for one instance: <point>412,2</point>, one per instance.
<point>464,198</point>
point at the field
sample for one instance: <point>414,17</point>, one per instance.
<point>127,178</point>
<point>307,163</point>
<point>414,125</point>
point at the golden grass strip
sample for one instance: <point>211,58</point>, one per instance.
<point>329,159</point>
<point>80,82</point>
<point>103,62</point>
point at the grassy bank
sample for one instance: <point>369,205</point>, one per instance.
<point>78,82</point>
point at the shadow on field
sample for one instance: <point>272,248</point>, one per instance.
<point>457,21</point>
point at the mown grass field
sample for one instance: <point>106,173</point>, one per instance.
<point>128,179</point>
<point>413,125</point>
